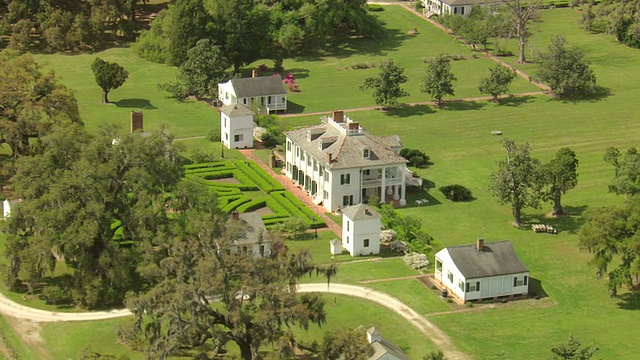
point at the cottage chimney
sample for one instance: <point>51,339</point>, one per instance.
<point>136,121</point>
<point>480,244</point>
<point>254,73</point>
<point>338,116</point>
<point>329,158</point>
<point>235,215</point>
<point>367,212</point>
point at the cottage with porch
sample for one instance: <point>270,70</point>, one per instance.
<point>252,238</point>
<point>481,271</point>
<point>339,164</point>
<point>451,7</point>
<point>264,94</point>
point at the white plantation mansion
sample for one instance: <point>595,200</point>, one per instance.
<point>339,164</point>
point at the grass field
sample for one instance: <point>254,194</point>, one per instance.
<point>458,139</point>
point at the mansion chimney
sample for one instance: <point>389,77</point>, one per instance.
<point>480,244</point>
<point>136,121</point>
<point>235,215</point>
<point>338,116</point>
<point>329,158</point>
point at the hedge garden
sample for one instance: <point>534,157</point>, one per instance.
<point>249,176</point>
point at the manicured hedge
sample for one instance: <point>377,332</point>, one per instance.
<point>209,165</point>
<point>235,203</point>
<point>260,177</point>
<point>252,205</point>
<point>294,207</point>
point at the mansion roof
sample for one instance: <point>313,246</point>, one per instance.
<point>342,144</point>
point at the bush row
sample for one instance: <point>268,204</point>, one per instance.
<point>252,205</point>
<point>208,165</point>
<point>260,177</point>
<point>231,205</point>
<point>296,208</point>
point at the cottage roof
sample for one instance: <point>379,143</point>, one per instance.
<point>258,86</point>
<point>346,148</point>
<point>467,2</point>
<point>496,258</point>
<point>360,211</point>
<point>236,110</point>
<point>253,228</point>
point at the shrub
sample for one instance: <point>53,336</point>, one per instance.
<point>262,68</point>
<point>201,156</point>
<point>456,192</point>
<point>214,135</point>
<point>55,295</point>
<point>375,8</point>
<point>293,228</point>
<point>416,261</point>
<point>399,247</point>
<point>416,157</point>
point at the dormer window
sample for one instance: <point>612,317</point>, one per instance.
<point>365,153</point>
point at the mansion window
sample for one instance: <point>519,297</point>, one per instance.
<point>345,179</point>
<point>288,145</point>
<point>326,176</point>
<point>365,153</point>
<point>237,138</point>
<point>347,200</point>
<point>366,172</point>
<point>326,194</point>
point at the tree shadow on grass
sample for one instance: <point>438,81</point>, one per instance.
<point>294,108</point>
<point>571,221</point>
<point>515,101</point>
<point>409,110</point>
<point>353,45</point>
<point>459,105</point>
<point>421,195</point>
<point>629,301</point>
<point>135,103</point>
<point>599,93</point>
<point>536,290</point>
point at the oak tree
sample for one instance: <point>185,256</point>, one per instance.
<point>519,14</point>
<point>387,84</point>
<point>560,175</point>
<point>439,79</point>
<point>626,175</point>
<point>565,70</point>
<point>109,76</point>
<point>497,83</point>
<point>518,181</point>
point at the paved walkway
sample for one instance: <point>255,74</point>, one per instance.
<point>290,186</point>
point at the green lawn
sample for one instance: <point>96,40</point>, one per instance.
<point>458,139</point>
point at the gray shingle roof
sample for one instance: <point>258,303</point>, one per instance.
<point>347,150</point>
<point>361,211</point>
<point>468,2</point>
<point>254,229</point>
<point>258,86</point>
<point>497,258</point>
<point>236,110</point>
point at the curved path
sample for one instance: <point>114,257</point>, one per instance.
<point>443,342</point>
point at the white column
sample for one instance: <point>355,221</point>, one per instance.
<point>383,192</point>
<point>403,201</point>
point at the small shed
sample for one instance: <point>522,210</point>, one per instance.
<point>236,126</point>
<point>336,247</point>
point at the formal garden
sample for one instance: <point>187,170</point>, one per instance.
<point>458,138</point>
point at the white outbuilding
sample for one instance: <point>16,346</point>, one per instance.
<point>481,271</point>
<point>361,230</point>
<point>236,126</point>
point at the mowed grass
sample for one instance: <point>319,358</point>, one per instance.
<point>67,340</point>
<point>458,140</point>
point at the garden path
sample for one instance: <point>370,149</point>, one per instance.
<point>437,336</point>
<point>290,186</point>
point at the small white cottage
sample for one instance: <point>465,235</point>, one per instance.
<point>361,230</point>
<point>383,349</point>
<point>236,126</point>
<point>264,93</point>
<point>7,205</point>
<point>481,271</point>
<point>254,238</point>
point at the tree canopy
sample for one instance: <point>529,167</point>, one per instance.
<point>565,70</point>
<point>560,175</point>
<point>92,202</point>
<point>518,181</point>
<point>611,234</point>
<point>626,175</point>
<point>497,83</point>
<point>519,15</point>
<point>614,17</point>
<point>386,85</point>
<point>439,79</point>
<point>108,76</point>
<point>572,350</point>
<point>31,102</point>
